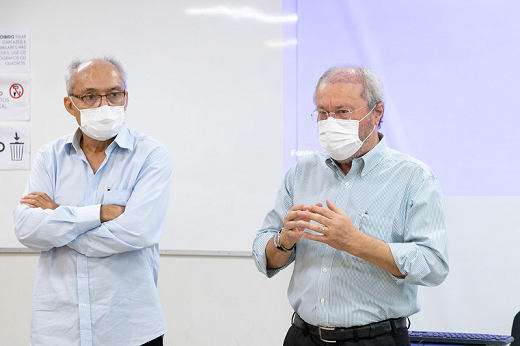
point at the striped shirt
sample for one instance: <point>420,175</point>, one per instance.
<point>389,196</point>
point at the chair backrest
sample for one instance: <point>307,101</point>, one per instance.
<point>515,330</point>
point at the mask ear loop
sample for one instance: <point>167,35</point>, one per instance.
<point>370,133</point>
<point>79,110</point>
<point>374,125</point>
<point>368,113</point>
<point>74,104</point>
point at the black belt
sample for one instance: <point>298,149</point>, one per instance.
<point>330,334</point>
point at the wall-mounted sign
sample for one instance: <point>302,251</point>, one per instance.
<point>15,145</point>
<point>14,50</point>
<point>15,97</point>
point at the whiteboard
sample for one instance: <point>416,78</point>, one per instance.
<point>205,80</point>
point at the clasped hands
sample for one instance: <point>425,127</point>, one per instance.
<point>333,225</point>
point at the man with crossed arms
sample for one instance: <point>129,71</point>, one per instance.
<point>94,207</point>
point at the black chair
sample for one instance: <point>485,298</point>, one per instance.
<point>515,330</point>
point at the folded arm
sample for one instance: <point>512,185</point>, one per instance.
<point>140,223</point>
<point>39,223</point>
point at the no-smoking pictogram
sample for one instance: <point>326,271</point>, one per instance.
<point>16,91</point>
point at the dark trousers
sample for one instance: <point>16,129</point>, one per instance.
<point>297,337</point>
<point>155,342</point>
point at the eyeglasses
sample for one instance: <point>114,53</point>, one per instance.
<point>115,98</point>
<point>344,114</point>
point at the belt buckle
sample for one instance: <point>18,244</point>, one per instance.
<point>320,328</point>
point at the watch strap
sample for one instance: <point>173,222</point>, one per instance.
<point>280,246</point>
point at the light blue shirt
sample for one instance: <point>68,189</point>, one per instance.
<point>388,195</point>
<point>96,282</point>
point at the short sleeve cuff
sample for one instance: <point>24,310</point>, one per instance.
<point>88,217</point>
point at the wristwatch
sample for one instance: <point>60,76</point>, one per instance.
<point>278,245</point>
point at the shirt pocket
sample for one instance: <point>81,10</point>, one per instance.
<point>376,226</point>
<point>117,197</point>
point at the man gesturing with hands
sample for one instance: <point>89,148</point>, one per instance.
<point>363,224</point>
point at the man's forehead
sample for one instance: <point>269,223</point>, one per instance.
<point>355,88</point>
<point>98,74</point>
<point>102,66</point>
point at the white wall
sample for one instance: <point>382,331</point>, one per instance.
<point>206,301</point>
<point>480,294</point>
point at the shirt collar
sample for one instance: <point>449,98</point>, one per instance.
<point>123,140</point>
<point>374,156</point>
<point>370,159</point>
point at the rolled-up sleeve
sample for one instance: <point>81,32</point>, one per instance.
<point>423,256</point>
<point>273,222</point>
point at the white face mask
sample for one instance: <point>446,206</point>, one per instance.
<point>103,122</point>
<point>340,138</point>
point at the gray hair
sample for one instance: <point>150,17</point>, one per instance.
<point>372,87</point>
<point>70,78</point>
